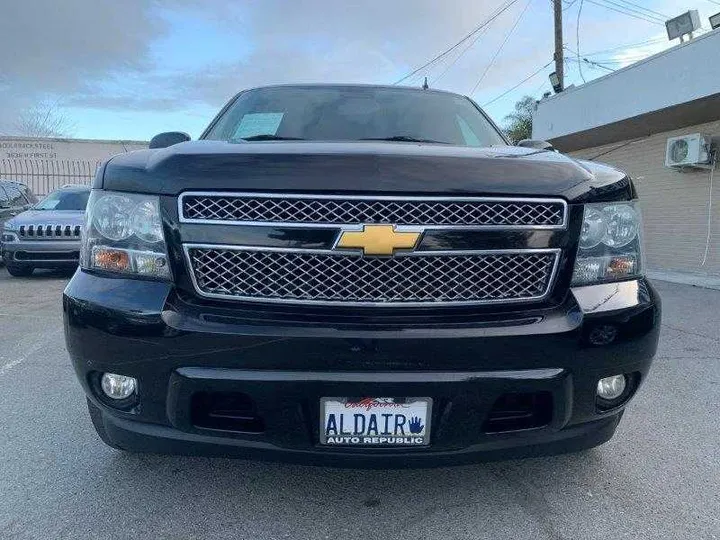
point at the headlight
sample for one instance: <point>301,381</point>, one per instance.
<point>111,216</point>
<point>610,244</point>
<point>123,233</point>
<point>7,232</point>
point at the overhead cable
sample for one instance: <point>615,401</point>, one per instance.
<point>517,85</point>
<point>502,45</point>
<point>447,51</point>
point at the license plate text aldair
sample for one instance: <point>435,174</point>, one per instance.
<point>375,421</point>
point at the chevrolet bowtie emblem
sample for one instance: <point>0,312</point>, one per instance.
<point>378,240</point>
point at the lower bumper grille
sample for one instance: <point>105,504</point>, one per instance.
<point>520,411</point>
<point>414,279</point>
<point>226,411</point>
<point>48,256</point>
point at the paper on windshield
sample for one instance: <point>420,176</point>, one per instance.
<point>258,124</point>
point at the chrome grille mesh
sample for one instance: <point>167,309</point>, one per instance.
<point>344,210</point>
<point>322,277</point>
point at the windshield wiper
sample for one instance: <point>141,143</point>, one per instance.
<point>269,137</point>
<point>403,138</point>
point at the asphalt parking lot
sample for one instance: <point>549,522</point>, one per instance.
<point>658,478</point>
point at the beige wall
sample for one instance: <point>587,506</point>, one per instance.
<point>19,148</point>
<point>674,204</point>
<point>44,164</point>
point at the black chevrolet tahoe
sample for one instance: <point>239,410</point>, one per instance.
<point>359,276</point>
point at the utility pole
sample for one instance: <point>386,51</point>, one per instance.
<point>559,62</point>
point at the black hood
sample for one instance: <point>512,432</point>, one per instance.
<point>363,167</point>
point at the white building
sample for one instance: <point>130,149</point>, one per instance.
<point>625,119</point>
<point>45,164</point>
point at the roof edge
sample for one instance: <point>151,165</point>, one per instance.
<point>691,113</point>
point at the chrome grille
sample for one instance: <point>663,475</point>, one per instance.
<point>50,232</point>
<point>413,279</point>
<point>346,210</point>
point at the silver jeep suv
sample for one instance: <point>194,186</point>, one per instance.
<point>48,234</point>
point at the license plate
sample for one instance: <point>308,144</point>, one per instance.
<point>380,421</point>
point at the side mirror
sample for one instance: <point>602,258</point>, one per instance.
<point>163,140</point>
<point>536,144</point>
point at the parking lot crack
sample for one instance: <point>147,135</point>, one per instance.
<point>690,333</point>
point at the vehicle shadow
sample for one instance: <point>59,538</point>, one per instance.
<point>40,274</point>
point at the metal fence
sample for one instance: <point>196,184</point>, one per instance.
<point>43,175</point>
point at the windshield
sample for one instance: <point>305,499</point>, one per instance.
<point>354,114</point>
<point>64,200</point>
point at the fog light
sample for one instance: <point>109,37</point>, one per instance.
<point>611,388</point>
<point>117,386</point>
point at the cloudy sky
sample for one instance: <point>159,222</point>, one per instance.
<point>129,69</point>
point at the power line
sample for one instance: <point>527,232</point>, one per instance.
<point>631,59</point>
<point>631,11</point>
<point>597,3</point>
<point>625,6</point>
<point>618,8</point>
<point>643,8</point>
<point>618,147</point>
<point>479,31</point>
<point>502,45</point>
<point>539,88</point>
<point>605,63</point>
<point>517,85</point>
<point>447,51</point>
<point>587,61</point>
<point>710,213</point>
<point>599,65</point>
<point>462,53</point>
<point>577,37</point>
<point>624,60</point>
<point>628,46</point>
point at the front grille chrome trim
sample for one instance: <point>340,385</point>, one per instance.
<point>370,198</point>
<point>49,231</point>
<point>550,282</point>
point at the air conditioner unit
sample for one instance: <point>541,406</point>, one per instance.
<point>688,151</point>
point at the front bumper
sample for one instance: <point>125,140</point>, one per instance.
<point>41,253</point>
<point>178,350</point>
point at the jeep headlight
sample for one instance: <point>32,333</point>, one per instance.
<point>610,244</point>
<point>9,226</point>
<point>7,231</point>
<point>123,233</point>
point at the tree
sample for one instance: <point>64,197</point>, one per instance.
<point>43,120</point>
<point>519,124</point>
